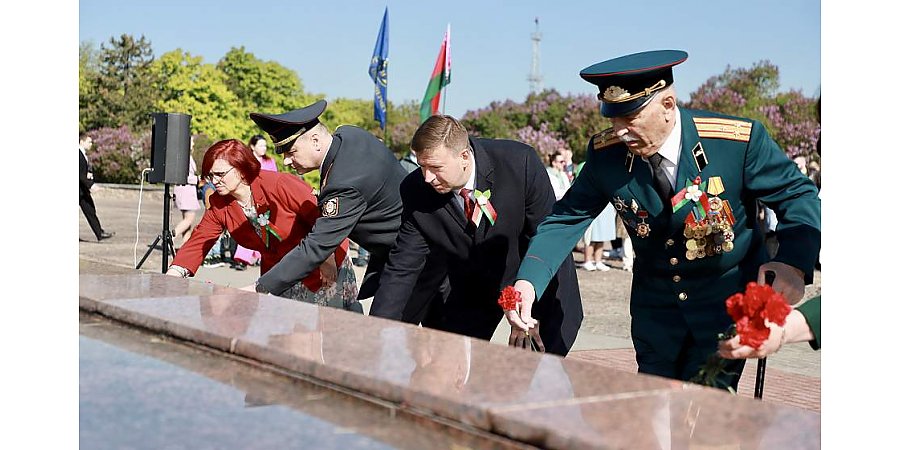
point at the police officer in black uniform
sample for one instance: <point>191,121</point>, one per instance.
<point>359,194</point>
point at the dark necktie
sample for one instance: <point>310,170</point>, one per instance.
<point>469,205</point>
<point>660,180</point>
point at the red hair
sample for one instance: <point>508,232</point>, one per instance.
<point>235,153</point>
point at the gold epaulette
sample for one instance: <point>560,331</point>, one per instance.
<point>714,127</point>
<point>604,139</point>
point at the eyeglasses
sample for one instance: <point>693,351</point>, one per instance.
<point>213,177</point>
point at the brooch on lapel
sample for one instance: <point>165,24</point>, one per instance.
<point>708,227</point>
<point>266,227</point>
<point>485,208</point>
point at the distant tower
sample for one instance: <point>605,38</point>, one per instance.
<point>535,80</point>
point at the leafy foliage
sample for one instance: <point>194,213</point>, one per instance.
<point>189,86</point>
<point>118,155</point>
<point>120,91</point>
<point>403,120</point>
<point>262,86</point>
<point>88,74</point>
<point>121,83</point>
<point>790,118</point>
<point>547,121</point>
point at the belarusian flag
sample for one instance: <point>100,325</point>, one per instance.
<point>440,77</point>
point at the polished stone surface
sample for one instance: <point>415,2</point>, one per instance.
<point>539,399</point>
<point>694,418</point>
<point>138,390</point>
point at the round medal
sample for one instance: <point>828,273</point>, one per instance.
<point>643,229</point>
<point>691,244</point>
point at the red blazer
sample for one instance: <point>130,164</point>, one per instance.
<point>293,212</point>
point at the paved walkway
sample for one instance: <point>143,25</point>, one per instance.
<point>793,375</point>
<point>780,386</point>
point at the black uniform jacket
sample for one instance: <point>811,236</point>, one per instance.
<point>360,199</point>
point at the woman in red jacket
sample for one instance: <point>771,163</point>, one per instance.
<point>269,212</point>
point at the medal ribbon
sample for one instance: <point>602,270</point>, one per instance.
<point>482,199</point>
<point>267,228</point>
<point>680,199</point>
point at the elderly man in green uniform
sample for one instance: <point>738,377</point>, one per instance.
<point>359,194</point>
<point>685,183</point>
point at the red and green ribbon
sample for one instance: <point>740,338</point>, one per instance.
<point>267,228</point>
<point>693,192</point>
<point>482,199</point>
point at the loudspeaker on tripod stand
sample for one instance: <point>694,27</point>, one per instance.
<point>170,152</point>
<point>170,148</point>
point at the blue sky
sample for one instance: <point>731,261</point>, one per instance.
<point>329,43</point>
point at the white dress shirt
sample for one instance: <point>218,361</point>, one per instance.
<point>671,152</point>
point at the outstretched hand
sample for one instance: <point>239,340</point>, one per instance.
<point>328,271</point>
<point>521,318</point>
<point>520,339</point>
<point>733,349</point>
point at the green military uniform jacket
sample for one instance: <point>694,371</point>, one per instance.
<point>672,296</point>
<point>812,312</point>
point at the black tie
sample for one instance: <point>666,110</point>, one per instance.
<point>660,180</point>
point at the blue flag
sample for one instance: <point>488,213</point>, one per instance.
<point>378,71</point>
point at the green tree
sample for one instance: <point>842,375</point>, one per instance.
<point>349,111</point>
<point>123,90</point>
<point>739,92</point>
<point>88,75</point>
<point>187,85</point>
<point>403,120</point>
<point>262,86</point>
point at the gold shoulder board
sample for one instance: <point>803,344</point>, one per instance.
<point>714,127</point>
<point>604,139</point>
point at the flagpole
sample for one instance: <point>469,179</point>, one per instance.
<point>447,70</point>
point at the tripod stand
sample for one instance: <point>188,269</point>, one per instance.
<point>168,245</point>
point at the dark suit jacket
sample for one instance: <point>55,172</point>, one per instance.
<point>480,262</point>
<point>359,198</point>
<point>84,183</point>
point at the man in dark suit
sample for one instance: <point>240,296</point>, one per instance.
<point>359,193</point>
<point>472,209</point>
<point>85,184</point>
<point>686,185</point>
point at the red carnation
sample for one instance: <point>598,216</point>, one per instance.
<point>751,309</point>
<point>509,298</point>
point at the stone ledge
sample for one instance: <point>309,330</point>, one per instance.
<point>537,399</point>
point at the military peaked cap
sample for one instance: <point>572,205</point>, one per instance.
<point>629,82</point>
<point>286,128</point>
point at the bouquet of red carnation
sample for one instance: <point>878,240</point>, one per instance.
<point>509,298</point>
<point>750,311</point>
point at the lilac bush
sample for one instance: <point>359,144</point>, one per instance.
<point>543,140</point>
<point>118,156</point>
<point>792,123</point>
